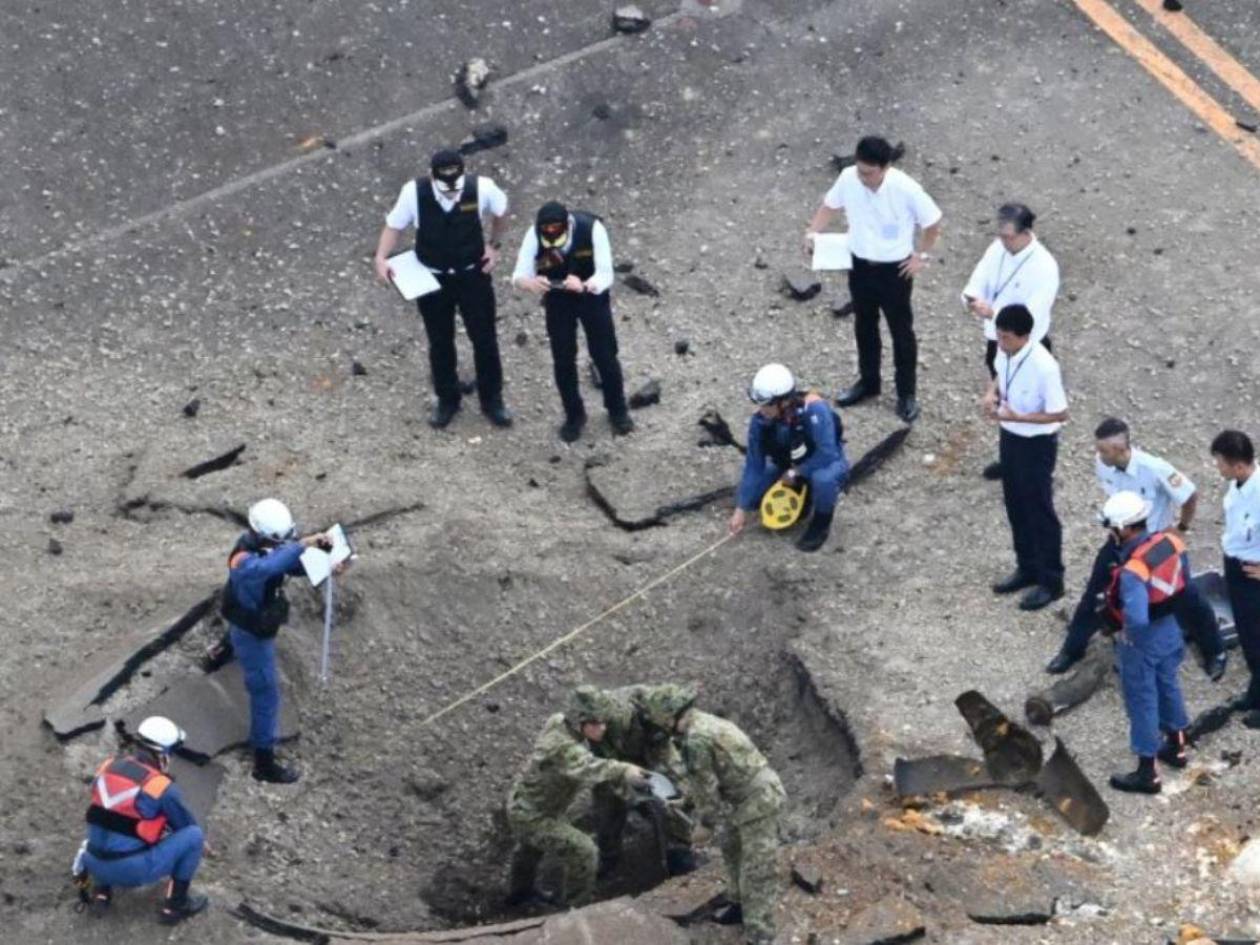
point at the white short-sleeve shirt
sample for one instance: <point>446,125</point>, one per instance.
<point>1154,479</point>
<point>882,222</point>
<point>1029,277</point>
<point>1030,382</point>
<point>1241,538</point>
<point>406,212</point>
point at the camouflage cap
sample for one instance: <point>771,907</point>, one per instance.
<point>589,704</point>
<point>663,705</point>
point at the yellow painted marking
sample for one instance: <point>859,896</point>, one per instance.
<point>1228,69</point>
<point>1171,76</point>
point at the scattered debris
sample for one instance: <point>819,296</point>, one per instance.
<point>875,457</point>
<point>471,81</point>
<point>645,396</point>
<point>311,142</point>
<point>357,369</point>
<point>1173,6</point>
<point>662,514</point>
<point>891,921</point>
<point>623,267</point>
<point>911,820</point>
<point>192,408</point>
<point>939,774</point>
<point>54,547</point>
<point>760,262</point>
<point>719,431</point>
<point>1012,754</point>
<point>522,338</point>
<point>602,111</point>
<point>61,517</point>
<point>1208,721</point>
<point>1245,126</point>
<point>809,878</point>
<point>484,137</point>
<point>1070,691</point>
<point>630,18</point>
<point>801,286</point>
<point>633,280</point>
<point>220,462</point>
<point>682,346</point>
<point>1062,783</point>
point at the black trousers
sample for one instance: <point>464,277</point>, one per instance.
<point>1244,598</point>
<point>472,293</point>
<point>990,354</point>
<point>565,310</point>
<point>876,286</point>
<point>1028,490</point>
<point>1193,612</point>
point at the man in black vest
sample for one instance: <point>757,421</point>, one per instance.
<point>447,209</point>
<point>567,259</point>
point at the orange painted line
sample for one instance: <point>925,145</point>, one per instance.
<point>1170,75</point>
<point>1228,69</point>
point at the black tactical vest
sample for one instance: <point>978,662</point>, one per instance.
<point>578,261</point>
<point>267,620</point>
<point>449,240</point>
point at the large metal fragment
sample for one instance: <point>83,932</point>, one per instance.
<point>1011,753</point>
<point>940,774</point>
<point>1073,689</point>
<point>1063,784</point>
<point>213,709</point>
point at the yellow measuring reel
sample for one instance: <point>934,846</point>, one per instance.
<point>782,505</point>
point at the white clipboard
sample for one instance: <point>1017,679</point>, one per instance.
<point>411,279</point>
<point>319,563</point>
<point>831,251</point>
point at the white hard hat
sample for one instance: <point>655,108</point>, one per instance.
<point>770,383</point>
<point>1124,509</point>
<point>160,733</point>
<point>271,519</point>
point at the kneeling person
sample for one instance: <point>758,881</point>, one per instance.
<point>561,764</point>
<point>794,437</point>
<point>139,830</point>
<point>1141,604</point>
<point>732,783</point>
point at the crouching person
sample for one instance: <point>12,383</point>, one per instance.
<point>794,437</point>
<point>139,830</point>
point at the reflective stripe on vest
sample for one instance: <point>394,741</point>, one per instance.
<point>1156,562</point>
<point>115,789</point>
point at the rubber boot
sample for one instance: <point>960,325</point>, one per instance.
<point>267,769</point>
<point>1173,751</point>
<point>1144,780</point>
<point>816,534</point>
<point>180,904</point>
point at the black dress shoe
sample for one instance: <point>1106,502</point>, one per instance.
<point>499,415</point>
<point>1252,718</point>
<point>855,394</point>
<point>1215,667</point>
<point>1136,782</point>
<point>443,413</point>
<point>1039,597</point>
<point>1017,580</point>
<point>1062,662</point>
<point>572,427</point>
<point>907,409</point>
<point>993,471</point>
<point>622,423</point>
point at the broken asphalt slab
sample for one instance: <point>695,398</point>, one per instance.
<point>78,709</point>
<point>621,921</point>
<point>199,785</point>
<point>213,709</point>
<point>891,921</point>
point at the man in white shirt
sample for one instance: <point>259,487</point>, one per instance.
<point>566,258</point>
<point>448,209</point>
<point>1016,268</point>
<point>1235,457</point>
<point>885,209</point>
<point>1026,399</point>
<point>1122,467</point>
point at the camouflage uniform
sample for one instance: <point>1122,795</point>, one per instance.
<point>731,781</point>
<point>559,767</point>
<point>630,738</point>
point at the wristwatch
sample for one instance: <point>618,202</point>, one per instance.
<point>924,257</point>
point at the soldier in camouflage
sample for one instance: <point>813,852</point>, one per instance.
<point>730,782</point>
<point>561,764</point>
<point>629,737</point>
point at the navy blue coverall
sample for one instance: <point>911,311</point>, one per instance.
<point>770,443</point>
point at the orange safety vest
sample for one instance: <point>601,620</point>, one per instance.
<point>118,782</point>
<point>1156,562</point>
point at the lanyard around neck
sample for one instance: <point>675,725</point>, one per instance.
<point>1002,262</point>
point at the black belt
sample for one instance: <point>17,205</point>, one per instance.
<point>107,856</point>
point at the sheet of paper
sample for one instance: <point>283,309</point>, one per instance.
<point>341,549</point>
<point>317,564</point>
<point>831,251</point>
<point>411,279</point>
